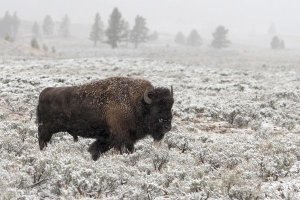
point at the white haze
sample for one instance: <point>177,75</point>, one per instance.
<point>240,16</point>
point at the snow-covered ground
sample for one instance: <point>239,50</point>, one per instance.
<point>236,129</point>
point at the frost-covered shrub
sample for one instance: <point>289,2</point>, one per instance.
<point>180,143</point>
<point>225,143</point>
<point>160,160</point>
<point>271,168</point>
<point>242,192</point>
<point>203,187</point>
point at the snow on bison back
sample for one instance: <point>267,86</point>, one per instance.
<point>116,111</point>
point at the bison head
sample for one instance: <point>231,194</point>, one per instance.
<point>158,102</point>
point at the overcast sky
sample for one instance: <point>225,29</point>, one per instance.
<point>240,16</point>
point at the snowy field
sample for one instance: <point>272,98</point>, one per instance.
<point>236,129</point>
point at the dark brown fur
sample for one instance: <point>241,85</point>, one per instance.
<point>113,111</point>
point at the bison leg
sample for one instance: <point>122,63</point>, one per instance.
<point>45,135</point>
<point>75,137</point>
<point>130,148</point>
<point>97,148</point>
<point>127,148</point>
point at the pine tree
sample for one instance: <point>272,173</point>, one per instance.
<point>180,38</point>
<point>6,25</point>
<point>220,38</point>
<point>64,28</point>
<point>97,31</point>
<point>34,43</point>
<point>277,43</point>
<point>116,29</point>
<point>139,32</point>
<point>48,26</point>
<point>194,39</point>
<point>15,25</point>
<point>36,30</point>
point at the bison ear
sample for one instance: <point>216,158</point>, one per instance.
<point>147,95</point>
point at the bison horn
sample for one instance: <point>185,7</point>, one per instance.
<point>146,97</point>
<point>172,90</point>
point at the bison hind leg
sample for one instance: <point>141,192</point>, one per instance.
<point>75,137</point>
<point>44,136</point>
<point>97,148</point>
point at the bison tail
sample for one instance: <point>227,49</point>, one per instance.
<point>38,115</point>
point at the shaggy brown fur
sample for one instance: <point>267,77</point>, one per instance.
<point>114,111</point>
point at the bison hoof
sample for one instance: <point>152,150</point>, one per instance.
<point>75,138</point>
<point>94,151</point>
<point>42,145</point>
<point>95,156</point>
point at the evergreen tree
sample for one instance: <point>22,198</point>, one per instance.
<point>97,32</point>
<point>116,31</point>
<point>64,28</point>
<point>194,39</point>
<point>220,38</point>
<point>6,25</point>
<point>34,43</point>
<point>8,38</point>
<point>139,32</point>
<point>277,43</point>
<point>15,25</point>
<point>9,25</point>
<point>48,26</point>
<point>180,38</point>
<point>36,30</point>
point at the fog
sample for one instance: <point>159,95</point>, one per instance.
<point>204,103</point>
<point>240,16</point>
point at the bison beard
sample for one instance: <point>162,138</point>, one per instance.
<point>117,112</point>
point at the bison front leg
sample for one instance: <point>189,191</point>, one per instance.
<point>97,148</point>
<point>125,148</point>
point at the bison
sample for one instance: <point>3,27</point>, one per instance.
<point>117,112</point>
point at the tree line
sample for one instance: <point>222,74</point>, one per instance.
<point>219,39</point>
<point>118,31</point>
<point>48,27</point>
